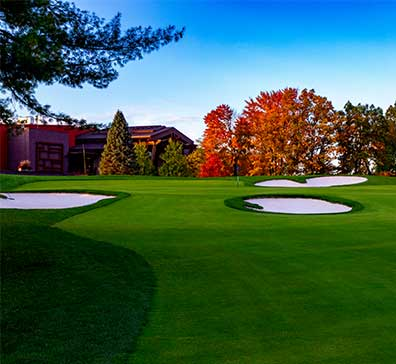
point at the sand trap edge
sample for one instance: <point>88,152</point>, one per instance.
<point>239,203</point>
<point>312,182</point>
<point>117,196</point>
<point>298,206</point>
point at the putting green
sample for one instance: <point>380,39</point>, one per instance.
<point>236,287</point>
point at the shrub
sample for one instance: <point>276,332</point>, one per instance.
<point>144,164</point>
<point>174,161</point>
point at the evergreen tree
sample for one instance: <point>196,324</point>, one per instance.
<point>174,162</point>
<point>117,156</point>
<point>53,41</point>
<point>144,164</point>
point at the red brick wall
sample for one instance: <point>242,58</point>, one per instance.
<point>72,132</point>
<point>7,161</point>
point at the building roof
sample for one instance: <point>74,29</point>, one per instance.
<point>101,134</point>
<point>144,132</point>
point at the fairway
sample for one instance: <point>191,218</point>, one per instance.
<point>230,286</point>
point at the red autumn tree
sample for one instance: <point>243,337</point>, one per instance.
<point>219,142</point>
<point>213,167</point>
<point>243,139</point>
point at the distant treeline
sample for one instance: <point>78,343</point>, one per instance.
<point>288,132</point>
<point>285,132</point>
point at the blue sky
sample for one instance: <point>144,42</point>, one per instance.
<point>232,50</point>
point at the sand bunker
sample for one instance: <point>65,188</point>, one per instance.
<point>314,182</point>
<point>53,200</point>
<point>298,205</point>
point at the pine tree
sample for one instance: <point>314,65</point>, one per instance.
<point>174,161</point>
<point>144,164</point>
<point>53,41</point>
<point>117,156</point>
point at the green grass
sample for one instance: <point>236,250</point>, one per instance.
<point>65,298</point>
<point>231,287</point>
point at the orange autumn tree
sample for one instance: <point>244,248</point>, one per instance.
<point>317,128</point>
<point>290,132</point>
<point>271,117</point>
<point>219,142</point>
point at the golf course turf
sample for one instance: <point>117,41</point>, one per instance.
<point>209,283</point>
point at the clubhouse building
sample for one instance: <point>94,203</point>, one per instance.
<point>63,149</point>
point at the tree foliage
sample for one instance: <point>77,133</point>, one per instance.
<point>220,142</point>
<point>174,162</point>
<point>213,166</point>
<point>289,132</point>
<point>317,122</point>
<point>53,41</point>
<point>271,123</point>
<point>117,156</point>
<point>386,162</point>
<point>194,162</point>
<point>144,164</point>
<point>360,138</point>
<point>292,132</point>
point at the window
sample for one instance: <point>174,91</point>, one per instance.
<point>49,157</point>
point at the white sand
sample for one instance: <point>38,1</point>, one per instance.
<point>298,205</point>
<point>53,200</point>
<point>314,182</point>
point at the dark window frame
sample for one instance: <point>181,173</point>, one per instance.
<point>56,165</point>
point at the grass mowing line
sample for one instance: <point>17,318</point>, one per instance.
<point>65,298</point>
<point>239,202</point>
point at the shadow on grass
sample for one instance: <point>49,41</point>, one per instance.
<point>67,299</point>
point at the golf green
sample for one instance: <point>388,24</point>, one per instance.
<point>230,286</point>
